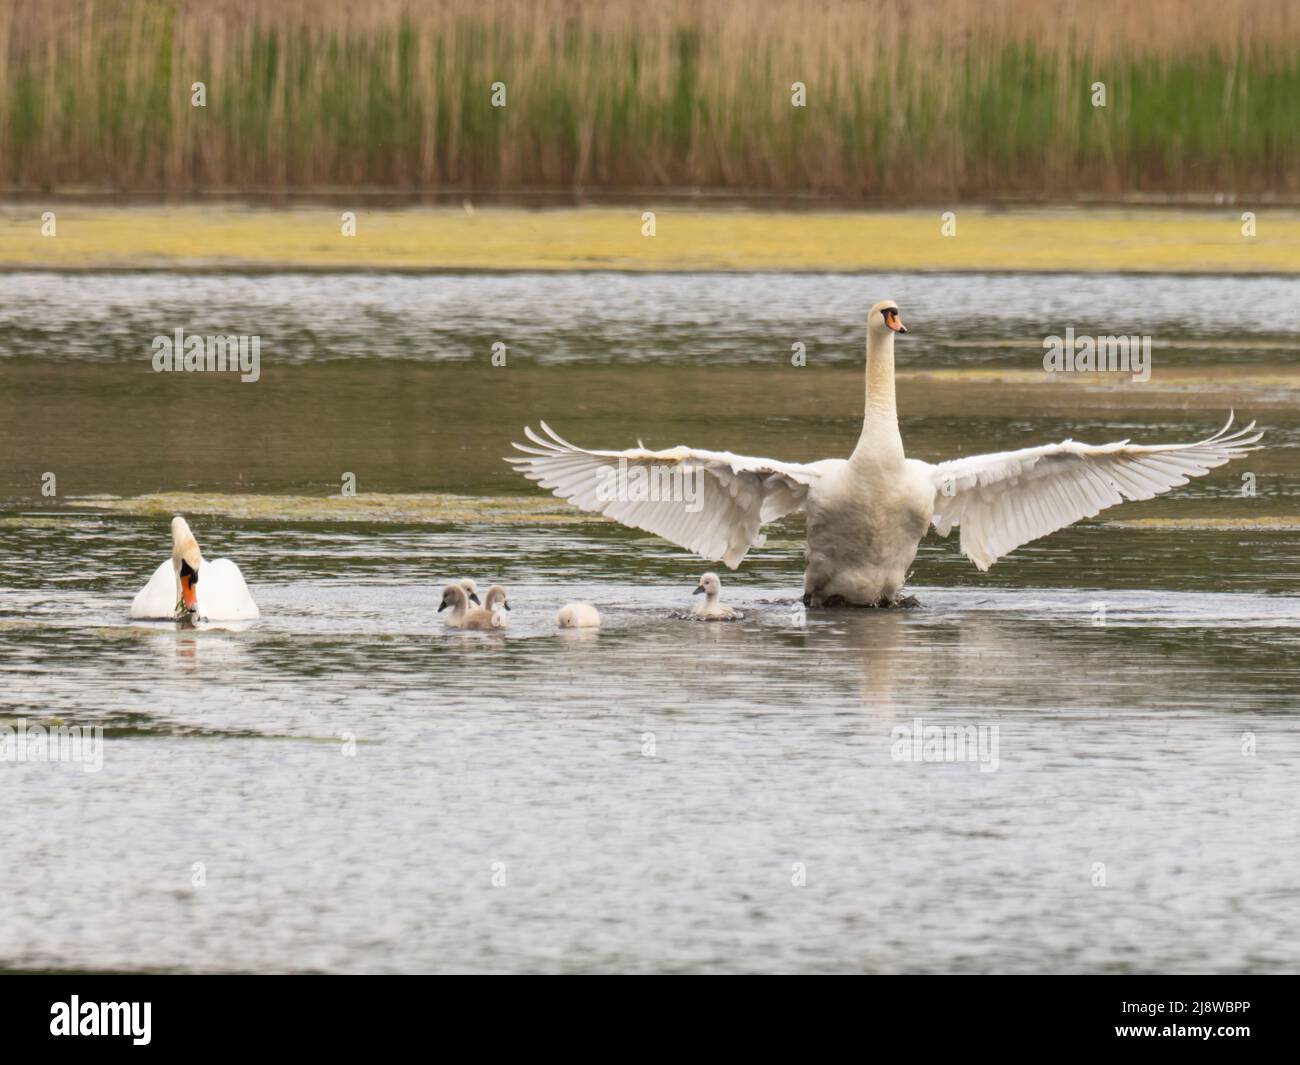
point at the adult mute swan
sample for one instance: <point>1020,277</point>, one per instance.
<point>867,513</point>
<point>189,584</point>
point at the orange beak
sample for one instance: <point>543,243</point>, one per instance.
<point>894,322</point>
<point>189,594</point>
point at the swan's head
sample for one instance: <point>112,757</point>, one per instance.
<point>709,585</point>
<point>884,318</point>
<point>496,596</point>
<point>186,560</point>
<point>471,589</point>
<point>454,596</point>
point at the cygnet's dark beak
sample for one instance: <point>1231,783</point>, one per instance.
<point>698,591</point>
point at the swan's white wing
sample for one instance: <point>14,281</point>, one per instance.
<point>158,598</point>
<point>222,593</point>
<point>715,504</point>
<point>1007,499</point>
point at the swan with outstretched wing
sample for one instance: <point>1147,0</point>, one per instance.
<point>867,513</point>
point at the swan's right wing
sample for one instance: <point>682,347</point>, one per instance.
<point>158,598</point>
<point>709,502</point>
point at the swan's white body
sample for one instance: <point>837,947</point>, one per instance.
<point>222,594</point>
<point>865,522</point>
<point>868,513</point>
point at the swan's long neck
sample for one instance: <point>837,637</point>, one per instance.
<point>880,440</point>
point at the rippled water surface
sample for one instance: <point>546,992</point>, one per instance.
<point>345,786</point>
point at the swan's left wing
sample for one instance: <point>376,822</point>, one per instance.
<point>709,502</point>
<point>222,593</point>
<point>1010,498</point>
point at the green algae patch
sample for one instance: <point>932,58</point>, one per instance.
<point>414,508</point>
<point>426,239</point>
<point>1278,523</point>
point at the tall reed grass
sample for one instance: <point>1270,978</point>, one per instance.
<point>906,99</point>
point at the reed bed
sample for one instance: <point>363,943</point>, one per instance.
<point>907,100</point>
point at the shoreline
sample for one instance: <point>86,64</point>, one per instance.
<point>211,238</point>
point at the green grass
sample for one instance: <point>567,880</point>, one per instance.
<point>960,102</point>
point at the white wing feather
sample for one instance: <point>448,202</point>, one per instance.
<point>1004,500</point>
<point>222,593</point>
<point>733,495</point>
<point>157,599</point>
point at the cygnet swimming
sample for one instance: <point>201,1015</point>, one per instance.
<point>489,616</point>
<point>455,599</point>
<point>712,609</point>
<point>578,616</point>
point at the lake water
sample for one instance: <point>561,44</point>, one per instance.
<point>344,786</point>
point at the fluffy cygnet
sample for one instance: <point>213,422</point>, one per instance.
<point>578,616</point>
<point>455,598</point>
<point>489,616</point>
<point>712,609</point>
